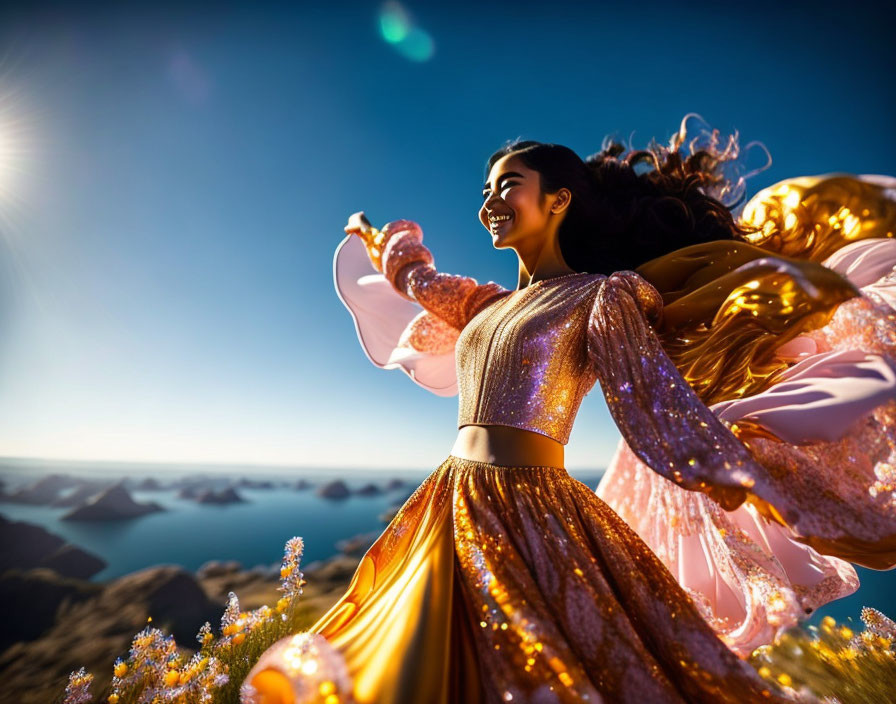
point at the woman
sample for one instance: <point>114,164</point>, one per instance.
<point>502,578</point>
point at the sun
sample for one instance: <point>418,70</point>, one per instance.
<point>14,141</point>
<point>5,155</point>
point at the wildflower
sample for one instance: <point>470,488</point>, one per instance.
<point>152,656</point>
<point>205,634</point>
<point>291,577</point>
<point>260,615</point>
<point>77,691</point>
<point>254,619</point>
<point>121,668</point>
<point>201,677</point>
<point>231,613</point>
<point>878,624</point>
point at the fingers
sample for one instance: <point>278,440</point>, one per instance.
<point>357,223</point>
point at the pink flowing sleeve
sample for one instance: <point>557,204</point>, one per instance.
<point>830,496</point>
<point>408,316</point>
<point>832,413</point>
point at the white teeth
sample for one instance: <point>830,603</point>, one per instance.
<point>498,218</point>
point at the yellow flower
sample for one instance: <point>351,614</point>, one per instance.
<point>121,669</point>
<point>282,603</point>
<point>172,677</point>
<point>239,638</point>
<point>113,699</point>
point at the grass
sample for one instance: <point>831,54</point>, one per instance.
<point>831,662</point>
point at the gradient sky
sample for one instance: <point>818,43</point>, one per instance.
<point>173,183</point>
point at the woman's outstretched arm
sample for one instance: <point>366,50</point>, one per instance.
<point>835,496</point>
<point>398,252</point>
<point>657,412</point>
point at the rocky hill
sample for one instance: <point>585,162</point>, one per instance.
<point>54,624</point>
<point>112,504</point>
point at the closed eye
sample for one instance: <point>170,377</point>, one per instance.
<point>507,184</point>
<point>502,179</point>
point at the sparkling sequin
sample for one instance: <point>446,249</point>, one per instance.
<point>522,362</point>
<point>520,581</point>
<point>858,464</point>
<point>746,575</point>
<point>654,408</point>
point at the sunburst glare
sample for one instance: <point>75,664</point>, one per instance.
<point>17,131</point>
<point>15,139</point>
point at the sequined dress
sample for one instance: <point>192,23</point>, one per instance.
<point>520,584</point>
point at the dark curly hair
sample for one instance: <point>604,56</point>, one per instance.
<point>621,217</point>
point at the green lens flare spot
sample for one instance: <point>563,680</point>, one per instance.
<point>418,45</point>
<point>395,25</point>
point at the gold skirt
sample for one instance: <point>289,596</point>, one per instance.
<point>498,584</point>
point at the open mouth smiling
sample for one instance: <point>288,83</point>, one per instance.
<point>495,221</point>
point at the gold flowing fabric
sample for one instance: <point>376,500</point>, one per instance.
<point>811,217</point>
<point>517,584</point>
<point>728,305</point>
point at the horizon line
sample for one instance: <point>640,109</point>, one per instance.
<point>225,464</point>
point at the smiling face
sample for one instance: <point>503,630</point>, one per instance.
<point>514,209</point>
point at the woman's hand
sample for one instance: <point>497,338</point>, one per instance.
<point>358,224</point>
<point>373,239</point>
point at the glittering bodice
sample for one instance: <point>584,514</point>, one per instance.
<point>522,361</point>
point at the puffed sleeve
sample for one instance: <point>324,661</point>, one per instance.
<point>657,412</point>
<point>829,496</point>
<point>408,266</point>
<point>407,315</point>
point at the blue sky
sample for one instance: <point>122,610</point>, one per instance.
<point>173,183</point>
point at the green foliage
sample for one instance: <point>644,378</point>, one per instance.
<point>833,663</point>
<point>158,671</point>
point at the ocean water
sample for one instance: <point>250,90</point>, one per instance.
<point>254,533</point>
<point>189,534</point>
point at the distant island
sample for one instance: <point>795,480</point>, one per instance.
<point>112,504</point>
<point>224,496</point>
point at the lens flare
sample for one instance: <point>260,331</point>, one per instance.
<point>417,46</point>
<point>394,22</point>
<point>411,41</point>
